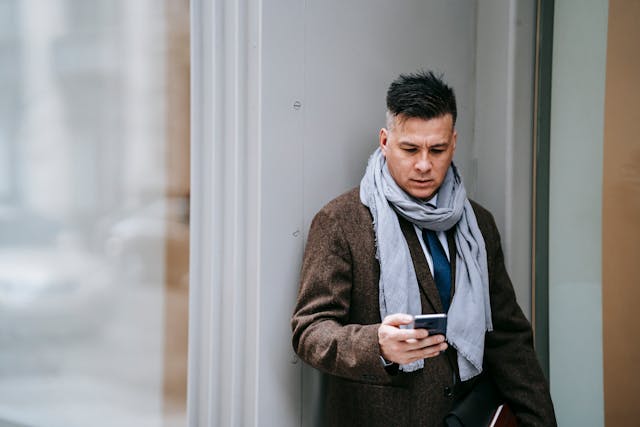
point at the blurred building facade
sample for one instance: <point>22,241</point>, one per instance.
<point>94,148</point>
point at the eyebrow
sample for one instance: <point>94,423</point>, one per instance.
<point>413,144</point>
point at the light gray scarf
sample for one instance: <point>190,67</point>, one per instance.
<point>469,315</point>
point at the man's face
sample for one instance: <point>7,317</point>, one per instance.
<point>419,153</point>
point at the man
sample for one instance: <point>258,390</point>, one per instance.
<point>406,242</point>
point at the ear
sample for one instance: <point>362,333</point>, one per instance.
<point>384,140</point>
<point>454,139</point>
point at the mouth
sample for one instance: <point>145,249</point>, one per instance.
<point>422,181</point>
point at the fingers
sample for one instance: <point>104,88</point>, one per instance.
<point>407,351</point>
<point>398,319</point>
<point>404,358</point>
<point>426,352</point>
<point>407,345</point>
<point>426,345</point>
<point>420,344</point>
<point>394,333</point>
<point>394,321</point>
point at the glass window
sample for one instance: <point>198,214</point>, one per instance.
<point>575,212</point>
<point>94,196</point>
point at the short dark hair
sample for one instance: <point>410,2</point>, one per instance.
<point>423,95</point>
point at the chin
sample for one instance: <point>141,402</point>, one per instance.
<point>422,195</point>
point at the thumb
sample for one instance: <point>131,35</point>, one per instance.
<point>397,319</point>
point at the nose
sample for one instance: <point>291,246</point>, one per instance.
<point>423,164</point>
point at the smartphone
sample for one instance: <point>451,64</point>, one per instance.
<point>436,324</point>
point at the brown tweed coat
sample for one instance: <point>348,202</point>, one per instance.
<point>337,315</point>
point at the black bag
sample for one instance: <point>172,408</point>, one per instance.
<point>482,407</point>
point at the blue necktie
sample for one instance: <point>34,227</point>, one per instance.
<point>441,267</point>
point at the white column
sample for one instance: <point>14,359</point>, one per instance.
<point>225,221</point>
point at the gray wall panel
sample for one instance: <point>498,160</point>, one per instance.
<point>281,243</point>
<point>503,141</point>
<point>319,72</point>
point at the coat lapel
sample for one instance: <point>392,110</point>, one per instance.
<point>425,277</point>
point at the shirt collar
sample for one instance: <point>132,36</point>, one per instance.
<point>433,202</point>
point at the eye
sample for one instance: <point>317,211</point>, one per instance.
<point>437,150</point>
<point>410,149</point>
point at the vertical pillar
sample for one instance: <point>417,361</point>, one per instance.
<point>224,264</point>
<point>620,214</point>
<point>176,249</point>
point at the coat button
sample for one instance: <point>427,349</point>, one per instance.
<point>448,392</point>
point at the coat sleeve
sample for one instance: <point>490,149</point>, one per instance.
<point>509,354</point>
<point>322,333</point>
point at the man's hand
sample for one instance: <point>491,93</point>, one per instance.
<point>404,346</point>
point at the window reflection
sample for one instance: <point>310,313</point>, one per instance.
<point>93,212</point>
